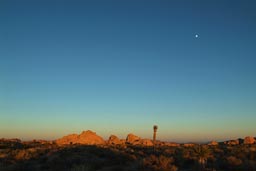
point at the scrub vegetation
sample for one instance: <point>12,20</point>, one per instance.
<point>48,156</point>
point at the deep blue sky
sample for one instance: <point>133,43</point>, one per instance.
<point>117,67</point>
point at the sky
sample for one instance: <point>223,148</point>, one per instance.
<point>119,67</point>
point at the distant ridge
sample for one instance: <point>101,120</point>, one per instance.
<point>91,138</point>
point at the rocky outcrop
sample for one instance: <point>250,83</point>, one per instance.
<point>91,138</point>
<point>14,140</point>
<point>133,139</point>
<point>36,142</point>
<point>68,139</point>
<point>213,143</point>
<point>86,137</point>
<point>114,140</point>
<point>249,140</point>
<point>14,143</point>
<point>171,144</point>
<point>123,141</point>
<point>146,142</point>
<point>232,142</point>
<point>189,145</point>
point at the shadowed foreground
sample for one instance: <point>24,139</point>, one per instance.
<point>36,156</point>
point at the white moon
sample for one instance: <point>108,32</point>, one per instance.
<point>196,36</point>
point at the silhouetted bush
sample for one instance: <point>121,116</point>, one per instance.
<point>50,157</point>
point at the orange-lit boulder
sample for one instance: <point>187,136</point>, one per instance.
<point>213,143</point>
<point>114,140</point>
<point>189,145</point>
<point>232,142</point>
<point>249,140</point>
<point>68,139</point>
<point>90,138</point>
<point>132,139</point>
<point>86,137</point>
<point>171,144</point>
<point>146,142</point>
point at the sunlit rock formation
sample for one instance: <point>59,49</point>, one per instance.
<point>249,140</point>
<point>132,139</point>
<point>68,139</point>
<point>146,142</point>
<point>135,140</point>
<point>170,144</point>
<point>86,137</point>
<point>213,143</point>
<point>188,145</point>
<point>13,140</point>
<point>114,140</point>
<point>232,142</point>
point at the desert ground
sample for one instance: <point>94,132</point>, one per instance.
<point>89,152</point>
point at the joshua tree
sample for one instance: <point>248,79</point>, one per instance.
<point>154,135</point>
<point>201,154</point>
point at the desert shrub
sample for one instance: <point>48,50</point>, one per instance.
<point>82,157</point>
<point>201,154</point>
<point>161,163</point>
<point>82,167</point>
<point>22,155</point>
<point>169,151</point>
<point>233,161</point>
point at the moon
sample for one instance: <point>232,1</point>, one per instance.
<point>196,36</point>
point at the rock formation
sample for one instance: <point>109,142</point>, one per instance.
<point>6,143</point>
<point>89,137</point>
<point>171,144</point>
<point>14,140</point>
<point>86,137</point>
<point>232,142</point>
<point>132,139</point>
<point>213,143</point>
<point>146,142</point>
<point>189,145</point>
<point>114,140</point>
<point>249,140</point>
<point>123,141</point>
<point>68,139</point>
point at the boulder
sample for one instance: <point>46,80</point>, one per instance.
<point>171,144</point>
<point>68,139</point>
<point>6,143</point>
<point>14,140</point>
<point>114,140</point>
<point>146,142</point>
<point>132,139</point>
<point>123,141</point>
<point>86,137</point>
<point>90,138</point>
<point>189,145</point>
<point>213,143</point>
<point>249,140</point>
<point>232,142</point>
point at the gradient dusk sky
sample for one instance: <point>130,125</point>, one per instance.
<point>117,67</point>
